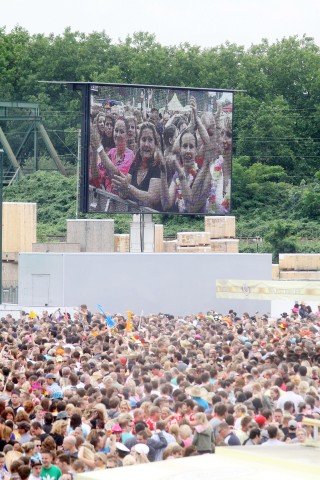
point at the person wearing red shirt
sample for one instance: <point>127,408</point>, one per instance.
<point>154,418</point>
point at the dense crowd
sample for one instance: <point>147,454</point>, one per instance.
<point>88,391</point>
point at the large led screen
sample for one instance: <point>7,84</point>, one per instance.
<point>159,149</point>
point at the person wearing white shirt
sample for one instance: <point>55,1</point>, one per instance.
<point>291,396</point>
<point>273,433</point>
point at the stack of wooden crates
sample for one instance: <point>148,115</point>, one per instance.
<point>222,232</point>
<point>193,242</point>
<point>122,243</point>
<point>297,266</point>
<point>19,232</point>
<point>218,237</point>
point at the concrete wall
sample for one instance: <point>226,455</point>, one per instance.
<point>41,279</point>
<point>56,247</point>
<point>171,283</point>
<point>92,235</point>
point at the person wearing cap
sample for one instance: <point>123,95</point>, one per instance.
<point>292,431</point>
<point>36,390</point>
<point>116,430</point>
<point>36,467</point>
<point>198,395</point>
<point>62,415</point>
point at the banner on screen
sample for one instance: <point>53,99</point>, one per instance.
<point>159,149</point>
<point>268,290</point>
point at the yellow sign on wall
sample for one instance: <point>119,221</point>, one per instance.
<point>268,289</point>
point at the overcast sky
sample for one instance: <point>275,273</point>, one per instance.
<point>200,22</point>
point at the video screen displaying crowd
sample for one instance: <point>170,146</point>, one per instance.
<point>86,391</point>
<point>171,159</point>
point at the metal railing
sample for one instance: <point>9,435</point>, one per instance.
<point>102,201</point>
<point>10,295</point>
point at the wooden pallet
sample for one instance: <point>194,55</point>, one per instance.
<point>158,238</point>
<point>299,275</point>
<point>194,249</point>
<point>169,246</point>
<point>193,239</point>
<point>275,271</point>
<point>299,261</point>
<point>224,245</point>
<point>220,227</point>
<point>122,243</point>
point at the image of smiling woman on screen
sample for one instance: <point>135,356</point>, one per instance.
<point>118,160</point>
<point>142,184</point>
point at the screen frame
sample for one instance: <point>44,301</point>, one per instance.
<point>86,89</point>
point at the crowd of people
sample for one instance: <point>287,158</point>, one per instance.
<point>85,391</point>
<point>170,162</point>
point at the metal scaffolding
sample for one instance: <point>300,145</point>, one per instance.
<point>28,113</point>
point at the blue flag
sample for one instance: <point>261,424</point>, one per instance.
<point>111,323</point>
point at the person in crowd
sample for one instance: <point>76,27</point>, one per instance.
<point>49,471</point>
<point>225,436</point>
<point>107,139</point>
<point>203,434</point>
<point>142,185</point>
<point>118,159</point>
<point>99,127</point>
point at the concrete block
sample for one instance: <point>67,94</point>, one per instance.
<point>56,247</point>
<point>92,235</point>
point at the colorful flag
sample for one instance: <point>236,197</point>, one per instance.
<point>140,320</point>
<point>129,323</point>
<point>111,323</point>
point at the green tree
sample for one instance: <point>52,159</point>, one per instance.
<point>310,202</point>
<point>281,240</point>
